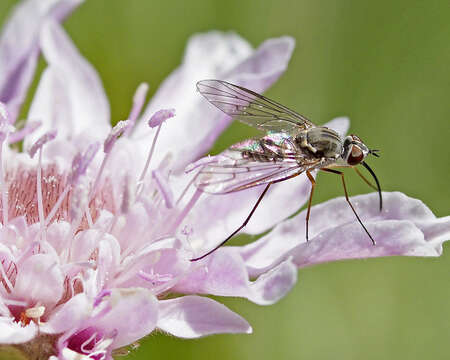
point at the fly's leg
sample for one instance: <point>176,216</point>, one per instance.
<point>348,200</point>
<point>365,179</point>
<point>313,185</point>
<point>239,228</point>
<point>248,217</point>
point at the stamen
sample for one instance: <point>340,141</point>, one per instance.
<point>160,282</point>
<point>48,136</point>
<point>100,296</point>
<point>107,147</point>
<point>163,188</point>
<point>80,164</point>
<point>138,103</point>
<point>156,120</point>
<point>35,312</point>
<point>37,146</point>
<point>160,116</point>
<point>115,133</point>
<point>186,209</point>
<point>204,161</point>
<point>192,166</point>
<point>25,131</point>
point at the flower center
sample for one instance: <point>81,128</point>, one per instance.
<point>23,200</point>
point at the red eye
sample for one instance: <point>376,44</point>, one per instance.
<point>356,156</point>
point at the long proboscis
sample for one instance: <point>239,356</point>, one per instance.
<point>376,181</point>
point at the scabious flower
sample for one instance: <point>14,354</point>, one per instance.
<point>99,223</point>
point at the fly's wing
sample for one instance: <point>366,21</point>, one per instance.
<point>252,108</point>
<point>233,172</point>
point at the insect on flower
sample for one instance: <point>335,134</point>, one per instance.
<point>293,145</point>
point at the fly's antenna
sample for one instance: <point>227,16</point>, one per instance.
<point>374,152</point>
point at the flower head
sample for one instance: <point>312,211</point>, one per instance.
<point>99,223</point>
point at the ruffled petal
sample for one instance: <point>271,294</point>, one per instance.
<point>12,332</point>
<point>404,227</point>
<point>133,314</point>
<point>19,47</point>
<point>217,55</point>
<point>224,273</point>
<point>70,95</point>
<point>195,316</point>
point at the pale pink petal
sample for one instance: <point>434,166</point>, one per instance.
<point>108,258</point>
<point>224,273</point>
<point>12,332</point>
<point>154,269</point>
<point>133,314</point>
<point>59,235</point>
<point>19,46</point>
<point>212,55</point>
<point>85,244</point>
<point>230,210</point>
<point>69,315</point>
<point>70,95</point>
<point>194,316</point>
<point>39,280</point>
<point>404,227</point>
<point>274,284</point>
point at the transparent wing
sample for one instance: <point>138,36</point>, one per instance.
<point>234,173</point>
<point>252,108</point>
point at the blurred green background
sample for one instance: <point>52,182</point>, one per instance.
<point>385,64</point>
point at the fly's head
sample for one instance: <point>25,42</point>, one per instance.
<point>355,151</point>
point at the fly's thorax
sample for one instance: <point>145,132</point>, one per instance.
<point>355,151</point>
<point>320,142</point>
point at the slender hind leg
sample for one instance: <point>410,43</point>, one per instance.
<point>248,217</point>
<point>348,200</point>
<point>365,179</point>
<point>240,227</point>
<point>313,186</point>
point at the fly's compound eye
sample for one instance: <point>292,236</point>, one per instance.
<point>356,156</point>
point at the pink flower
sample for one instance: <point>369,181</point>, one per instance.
<point>98,224</point>
<point>94,233</point>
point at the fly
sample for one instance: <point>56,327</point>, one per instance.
<point>292,145</point>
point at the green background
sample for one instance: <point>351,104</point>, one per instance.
<point>385,64</point>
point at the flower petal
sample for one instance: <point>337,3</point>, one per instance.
<point>274,284</point>
<point>19,48</point>
<point>217,216</point>
<point>404,227</point>
<point>70,96</point>
<point>194,316</point>
<point>211,55</point>
<point>133,314</point>
<point>30,284</point>
<point>224,273</point>
<point>12,332</point>
<point>69,315</point>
